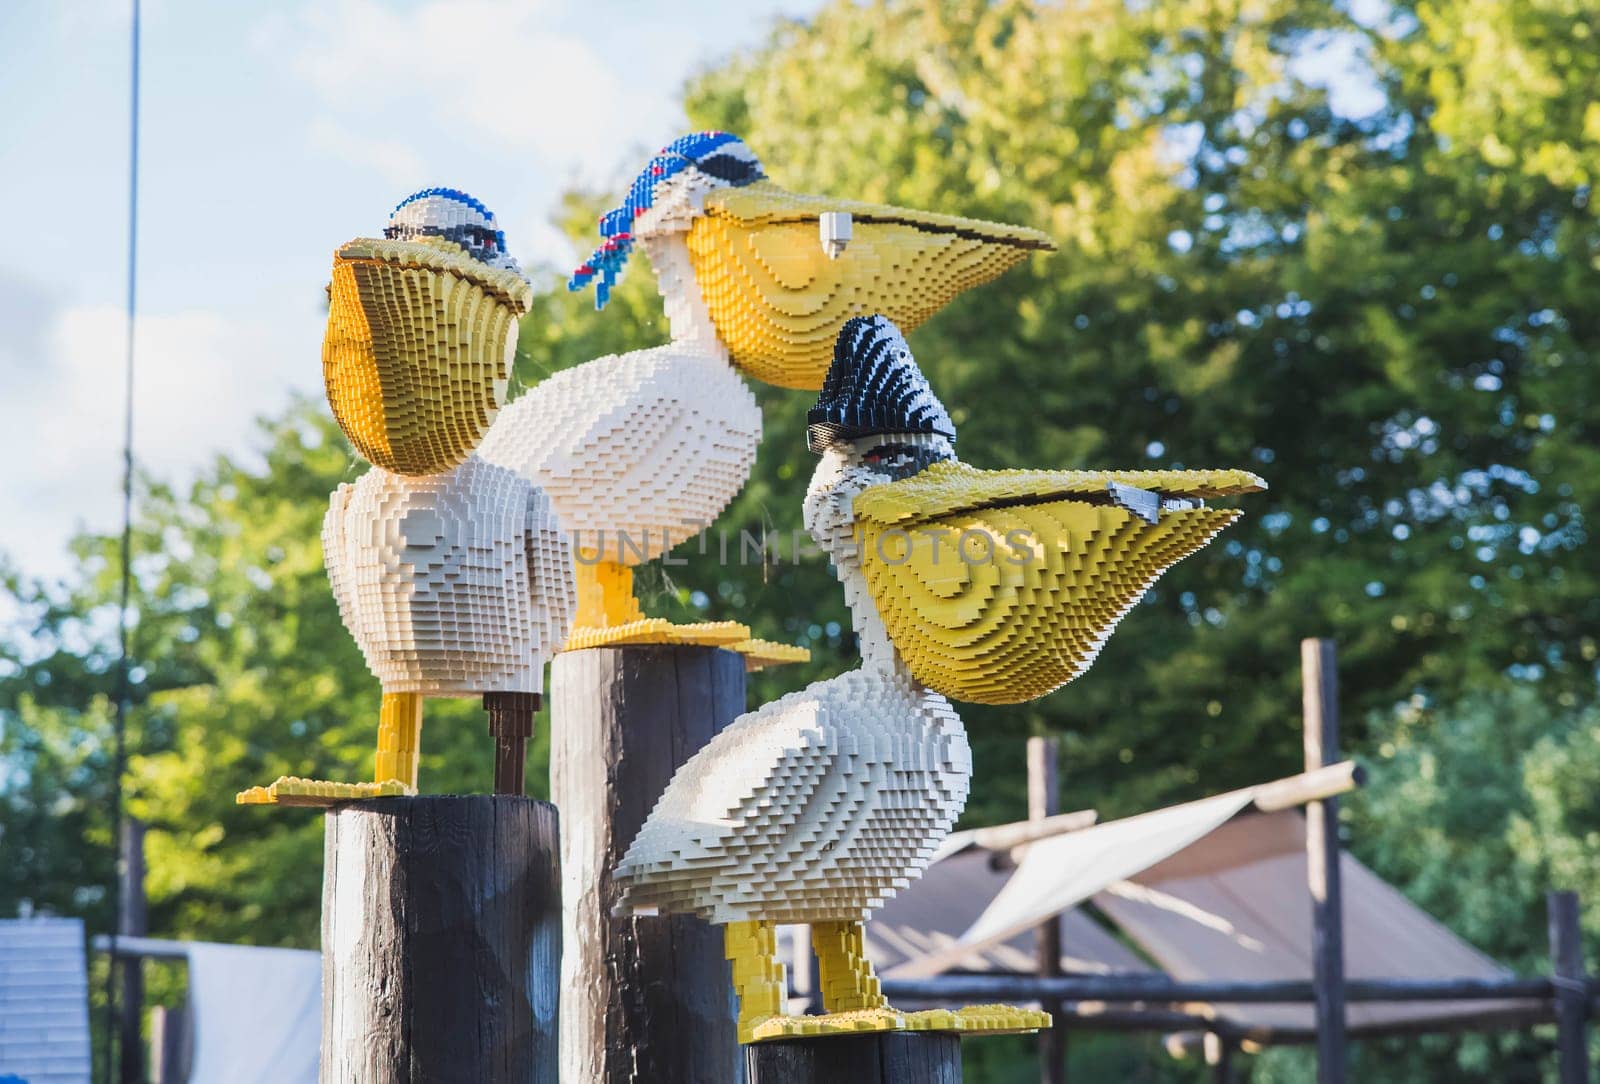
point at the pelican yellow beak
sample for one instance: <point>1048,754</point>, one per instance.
<point>778,297</point>
<point>418,350</point>
<point>1001,586</point>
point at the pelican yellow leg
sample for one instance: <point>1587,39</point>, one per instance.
<point>848,982</point>
<point>399,735</point>
<point>851,993</point>
<point>759,979</point>
<point>609,614</point>
<point>399,738</point>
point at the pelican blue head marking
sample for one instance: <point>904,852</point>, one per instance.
<point>452,214</point>
<point>707,151</point>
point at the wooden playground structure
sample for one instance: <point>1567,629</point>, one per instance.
<point>645,998</point>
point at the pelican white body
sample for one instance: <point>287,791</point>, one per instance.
<point>453,584</point>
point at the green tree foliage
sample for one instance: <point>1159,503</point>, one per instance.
<point>245,673</point>
<point>1365,312</point>
<point>1389,316</point>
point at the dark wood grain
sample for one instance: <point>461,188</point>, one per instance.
<point>511,718</point>
<point>897,1057</point>
<point>645,999</point>
<point>441,940</point>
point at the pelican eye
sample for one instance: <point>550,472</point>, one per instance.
<point>726,167</point>
<point>902,460</point>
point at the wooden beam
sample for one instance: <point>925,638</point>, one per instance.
<point>153,947</point>
<point>896,1057</point>
<point>1571,986</point>
<point>1320,701</point>
<point>1044,802</point>
<point>1161,989</point>
<point>1309,786</point>
<point>647,998</point>
<point>1018,834</point>
<point>441,940</point>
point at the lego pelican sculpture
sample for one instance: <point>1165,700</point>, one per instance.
<point>451,573</point>
<point>819,806</point>
<point>640,452</point>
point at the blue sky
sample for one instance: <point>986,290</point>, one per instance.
<point>273,132</point>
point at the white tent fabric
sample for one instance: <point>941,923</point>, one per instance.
<point>257,1014</point>
<point>1061,872</point>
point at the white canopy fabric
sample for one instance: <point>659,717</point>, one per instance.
<point>257,1014</point>
<point>1234,905</point>
<point>1060,872</point>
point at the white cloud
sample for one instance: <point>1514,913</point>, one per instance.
<point>201,380</point>
<point>491,69</point>
<point>395,161</point>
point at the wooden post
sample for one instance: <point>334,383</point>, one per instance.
<point>1319,674</point>
<point>1044,800</point>
<point>1219,1055</point>
<point>132,921</point>
<point>1572,987</point>
<point>903,1057</point>
<point>647,998</point>
<point>511,717</point>
<point>441,940</point>
<point>170,1055</point>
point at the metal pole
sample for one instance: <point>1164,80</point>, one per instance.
<point>1044,800</point>
<point>122,695</point>
<point>1572,997</point>
<point>131,922</point>
<point>1319,675</point>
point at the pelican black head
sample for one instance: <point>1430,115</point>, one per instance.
<point>874,387</point>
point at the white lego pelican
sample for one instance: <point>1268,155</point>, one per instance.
<point>451,573</point>
<point>819,806</point>
<point>640,452</point>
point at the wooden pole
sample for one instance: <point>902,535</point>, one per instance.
<point>1219,1055</point>
<point>132,921</point>
<point>169,1045</point>
<point>1320,684</point>
<point>441,940</point>
<point>648,998</point>
<point>511,717</point>
<point>1572,987</point>
<point>903,1057</point>
<point>1044,800</point>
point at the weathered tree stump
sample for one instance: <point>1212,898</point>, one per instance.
<point>896,1057</point>
<point>643,999</point>
<point>441,940</point>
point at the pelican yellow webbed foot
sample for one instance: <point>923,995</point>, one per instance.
<point>395,772</point>
<point>850,991</point>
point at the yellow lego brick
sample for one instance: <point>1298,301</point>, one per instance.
<point>292,790</point>
<point>778,300</point>
<point>760,654</point>
<point>418,349</point>
<point>997,587</point>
